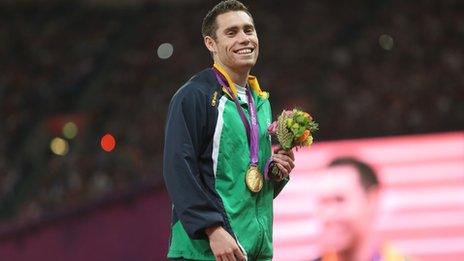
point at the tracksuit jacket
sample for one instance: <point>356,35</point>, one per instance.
<point>206,156</point>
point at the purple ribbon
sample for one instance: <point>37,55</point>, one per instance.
<point>251,129</point>
<point>266,168</point>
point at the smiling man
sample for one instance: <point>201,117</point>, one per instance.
<point>217,149</point>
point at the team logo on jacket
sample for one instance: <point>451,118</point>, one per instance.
<point>214,99</point>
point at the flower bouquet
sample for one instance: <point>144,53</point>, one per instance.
<point>293,129</point>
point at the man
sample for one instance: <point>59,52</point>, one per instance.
<point>348,199</point>
<point>217,149</point>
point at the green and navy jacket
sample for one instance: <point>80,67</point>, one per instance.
<point>206,156</point>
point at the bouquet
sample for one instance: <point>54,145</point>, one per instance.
<point>293,128</point>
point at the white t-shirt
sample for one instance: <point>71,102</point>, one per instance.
<point>241,93</point>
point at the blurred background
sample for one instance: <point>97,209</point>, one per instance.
<point>84,90</point>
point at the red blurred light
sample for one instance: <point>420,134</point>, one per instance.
<point>108,142</point>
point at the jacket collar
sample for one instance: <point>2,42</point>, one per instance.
<point>259,96</point>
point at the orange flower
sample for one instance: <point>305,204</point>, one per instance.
<point>304,136</point>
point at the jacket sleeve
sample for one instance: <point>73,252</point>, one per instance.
<point>193,205</point>
<point>278,186</point>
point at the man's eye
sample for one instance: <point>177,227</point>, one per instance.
<point>230,33</point>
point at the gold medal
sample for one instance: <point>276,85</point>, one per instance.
<point>254,179</point>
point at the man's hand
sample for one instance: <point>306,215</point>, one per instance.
<point>284,160</point>
<point>223,245</point>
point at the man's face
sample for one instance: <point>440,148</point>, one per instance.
<point>236,45</point>
<point>344,208</point>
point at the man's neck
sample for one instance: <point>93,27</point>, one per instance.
<point>239,77</point>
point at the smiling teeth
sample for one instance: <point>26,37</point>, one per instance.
<point>244,51</point>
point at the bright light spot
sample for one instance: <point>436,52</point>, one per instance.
<point>108,142</point>
<point>70,130</point>
<point>165,50</point>
<point>59,146</point>
<point>386,42</point>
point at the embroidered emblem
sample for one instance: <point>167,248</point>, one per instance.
<point>214,99</point>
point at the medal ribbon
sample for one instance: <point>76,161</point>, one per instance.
<point>250,127</point>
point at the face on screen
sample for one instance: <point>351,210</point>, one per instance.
<point>343,208</point>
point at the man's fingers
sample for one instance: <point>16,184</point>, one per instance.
<point>285,161</point>
<point>291,154</point>
<point>231,256</point>
<point>223,257</point>
<point>282,169</point>
<point>287,152</point>
<point>285,165</point>
<point>238,253</point>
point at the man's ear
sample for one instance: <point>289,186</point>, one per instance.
<point>210,44</point>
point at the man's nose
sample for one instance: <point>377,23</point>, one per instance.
<point>331,211</point>
<point>243,38</point>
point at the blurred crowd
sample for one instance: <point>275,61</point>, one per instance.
<point>368,68</point>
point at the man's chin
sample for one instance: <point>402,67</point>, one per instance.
<point>336,243</point>
<point>245,65</point>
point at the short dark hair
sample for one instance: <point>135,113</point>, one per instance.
<point>209,26</point>
<point>366,173</point>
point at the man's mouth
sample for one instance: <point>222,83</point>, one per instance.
<point>246,50</point>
